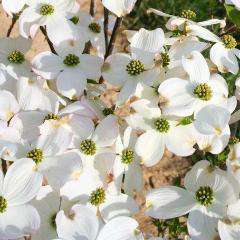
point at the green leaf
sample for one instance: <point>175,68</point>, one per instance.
<point>233,14</point>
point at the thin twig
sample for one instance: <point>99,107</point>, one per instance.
<point>43,30</point>
<point>113,37</point>
<point>92,7</point>
<point>14,20</point>
<point>4,166</point>
<point>105,24</point>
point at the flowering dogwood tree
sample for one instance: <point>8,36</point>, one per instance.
<point>72,162</point>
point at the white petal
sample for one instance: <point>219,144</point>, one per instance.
<point>47,64</point>
<point>22,182</point>
<point>83,225</point>
<point>201,226</point>
<point>123,228</point>
<point>19,221</point>
<point>228,231</point>
<point>169,202</point>
<point>71,83</point>
<point>224,58</point>
<point>12,6</point>
<point>212,120</point>
<point>106,132</point>
<point>196,67</point>
<point>119,205</point>
<point>150,147</point>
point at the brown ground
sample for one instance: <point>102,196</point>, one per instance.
<point>163,173</point>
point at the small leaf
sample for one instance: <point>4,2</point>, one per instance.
<point>233,14</point>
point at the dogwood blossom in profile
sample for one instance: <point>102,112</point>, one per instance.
<point>207,194</point>
<point>185,24</point>
<point>19,186</point>
<point>212,122</point>
<point>70,67</point>
<point>14,6</point>
<point>225,55</point>
<point>119,7</point>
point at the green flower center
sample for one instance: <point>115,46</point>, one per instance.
<point>165,59</point>
<point>3,204</point>
<point>71,60</point>
<point>188,14</point>
<point>97,197</point>
<point>107,111</point>
<point>127,156</point>
<point>203,91</point>
<point>233,140</point>
<point>162,125</point>
<point>16,57</point>
<point>229,41</point>
<point>47,9</point>
<point>36,155</point>
<point>204,195</point>
<point>88,147</point>
<point>94,27</point>
<point>135,67</point>
<point>51,116</point>
<point>75,20</point>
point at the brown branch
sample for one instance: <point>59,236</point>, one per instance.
<point>50,44</point>
<point>113,37</point>
<point>105,24</point>
<point>14,20</point>
<point>92,6</point>
<point>4,166</point>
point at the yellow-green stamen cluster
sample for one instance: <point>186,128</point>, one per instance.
<point>204,195</point>
<point>71,60</point>
<point>135,67</point>
<point>203,91</point>
<point>3,204</point>
<point>107,111</point>
<point>94,27</point>
<point>97,197</point>
<point>233,140</point>
<point>188,14</point>
<point>16,57</point>
<point>127,156</point>
<point>165,59</point>
<point>229,41</point>
<point>88,147</point>
<point>36,155</point>
<point>46,9</point>
<point>162,125</point>
<point>51,116</point>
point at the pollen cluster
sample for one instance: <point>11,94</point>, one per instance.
<point>165,59</point>
<point>204,195</point>
<point>36,155</point>
<point>88,147</point>
<point>162,125</point>
<point>46,9</point>
<point>94,27</point>
<point>229,41</point>
<point>188,14</point>
<point>71,60</point>
<point>135,67</point>
<point>127,156</point>
<point>3,204</point>
<point>16,57</point>
<point>203,91</point>
<point>51,116</point>
<point>97,197</point>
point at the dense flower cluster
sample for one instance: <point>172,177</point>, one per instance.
<point>72,163</point>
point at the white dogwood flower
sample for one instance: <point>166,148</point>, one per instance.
<point>236,3</point>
